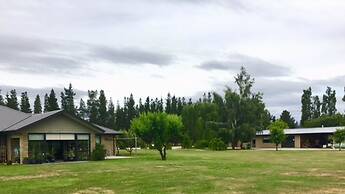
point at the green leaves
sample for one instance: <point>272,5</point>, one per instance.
<point>277,132</point>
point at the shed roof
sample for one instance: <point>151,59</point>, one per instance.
<point>303,131</point>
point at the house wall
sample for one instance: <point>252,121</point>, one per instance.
<point>109,144</point>
<point>57,124</point>
<point>297,141</point>
<point>260,144</point>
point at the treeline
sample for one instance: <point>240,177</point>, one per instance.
<point>234,117</point>
<point>320,111</point>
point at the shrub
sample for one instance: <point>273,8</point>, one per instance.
<point>201,144</point>
<point>98,153</point>
<point>217,144</point>
<point>186,142</point>
<point>26,160</point>
<point>9,162</point>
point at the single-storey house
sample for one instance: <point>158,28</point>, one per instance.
<point>299,138</point>
<point>55,134</point>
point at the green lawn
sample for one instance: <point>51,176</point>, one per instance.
<point>186,171</point>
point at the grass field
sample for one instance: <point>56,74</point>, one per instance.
<point>186,171</point>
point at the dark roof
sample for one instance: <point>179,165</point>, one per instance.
<point>13,120</point>
<point>108,130</point>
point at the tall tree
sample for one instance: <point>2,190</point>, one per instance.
<point>12,100</point>
<point>37,105</point>
<point>168,104</point>
<point>52,101</point>
<point>2,102</point>
<point>111,115</point>
<point>130,108</point>
<point>147,104</point>
<point>67,100</point>
<point>25,103</point>
<point>92,106</point>
<point>244,83</point>
<point>329,102</point>
<point>82,111</point>
<point>288,119</point>
<point>46,103</point>
<point>102,109</point>
<point>316,107</point>
<point>306,105</point>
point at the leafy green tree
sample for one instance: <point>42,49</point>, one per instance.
<point>52,101</point>
<point>306,105</point>
<point>25,103</point>
<point>242,113</point>
<point>37,105</point>
<point>92,106</point>
<point>159,129</point>
<point>288,119</point>
<point>329,102</point>
<point>82,111</point>
<point>326,121</point>
<point>316,107</point>
<point>277,132</point>
<point>67,100</point>
<point>102,109</point>
<point>339,137</point>
<point>127,141</point>
<point>12,100</point>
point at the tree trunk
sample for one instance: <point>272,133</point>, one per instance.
<point>339,146</point>
<point>276,147</point>
<point>163,153</point>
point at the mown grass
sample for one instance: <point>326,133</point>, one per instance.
<point>186,171</point>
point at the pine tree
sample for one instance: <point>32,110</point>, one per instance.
<point>173,105</point>
<point>1,99</point>
<point>67,100</point>
<point>131,113</point>
<point>111,115</point>
<point>102,109</point>
<point>46,103</point>
<point>179,106</point>
<point>12,100</point>
<point>37,105</point>
<point>52,101</point>
<point>160,107</point>
<point>168,104</point>
<point>288,119</point>
<point>147,104</point>
<point>306,105</point>
<point>92,106</point>
<point>119,115</point>
<point>25,103</point>
<point>141,107</point>
<point>82,110</point>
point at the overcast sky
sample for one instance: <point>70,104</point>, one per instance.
<point>152,47</point>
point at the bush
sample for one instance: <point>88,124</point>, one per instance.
<point>98,153</point>
<point>217,144</point>
<point>9,162</point>
<point>201,144</point>
<point>26,160</point>
<point>186,142</point>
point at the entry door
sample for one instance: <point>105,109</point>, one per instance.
<point>15,147</point>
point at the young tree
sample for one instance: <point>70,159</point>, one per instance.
<point>12,100</point>
<point>159,129</point>
<point>37,105</point>
<point>52,101</point>
<point>288,119</point>
<point>67,100</point>
<point>339,137</point>
<point>277,132</point>
<point>25,103</point>
<point>306,105</point>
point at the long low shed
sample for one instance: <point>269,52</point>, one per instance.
<point>319,137</point>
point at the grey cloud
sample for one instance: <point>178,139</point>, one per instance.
<point>256,66</point>
<point>31,55</point>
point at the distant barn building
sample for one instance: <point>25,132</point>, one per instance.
<point>299,138</point>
